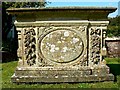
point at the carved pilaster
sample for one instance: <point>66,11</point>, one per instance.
<point>30,46</point>
<point>104,51</point>
<point>19,51</point>
<point>94,45</point>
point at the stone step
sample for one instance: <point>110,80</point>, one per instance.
<point>55,79</point>
<point>64,71</point>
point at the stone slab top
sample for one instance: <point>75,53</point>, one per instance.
<point>61,13</point>
<point>112,39</point>
<point>63,8</point>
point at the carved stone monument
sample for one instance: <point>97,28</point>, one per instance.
<point>61,44</point>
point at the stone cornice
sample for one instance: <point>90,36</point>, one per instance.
<point>61,13</point>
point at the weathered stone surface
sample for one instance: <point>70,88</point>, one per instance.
<point>62,75</point>
<point>61,46</point>
<point>60,79</point>
<point>61,49</point>
<point>61,13</point>
<point>113,47</point>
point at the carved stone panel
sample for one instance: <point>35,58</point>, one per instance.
<point>94,45</point>
<point>61,46</point>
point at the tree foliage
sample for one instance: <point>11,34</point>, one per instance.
<point>24,4</point>
<point>114,27</point>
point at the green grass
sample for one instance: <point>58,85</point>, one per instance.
<point>9,68</point>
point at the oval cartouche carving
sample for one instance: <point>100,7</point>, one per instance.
<point>61,46</point>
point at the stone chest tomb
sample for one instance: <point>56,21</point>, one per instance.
<point>61,44</point>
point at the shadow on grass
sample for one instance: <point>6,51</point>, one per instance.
<point>8,56</point>
<point>114,69</point>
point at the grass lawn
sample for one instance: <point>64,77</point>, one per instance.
<point>9,68</point>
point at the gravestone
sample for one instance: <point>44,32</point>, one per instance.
<point>113,47</point>
<point>61,44</point>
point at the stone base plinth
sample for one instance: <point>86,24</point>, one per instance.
<point>64,74</point>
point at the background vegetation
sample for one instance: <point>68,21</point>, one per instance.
<point>24,4</point>
<point>114,27</point>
